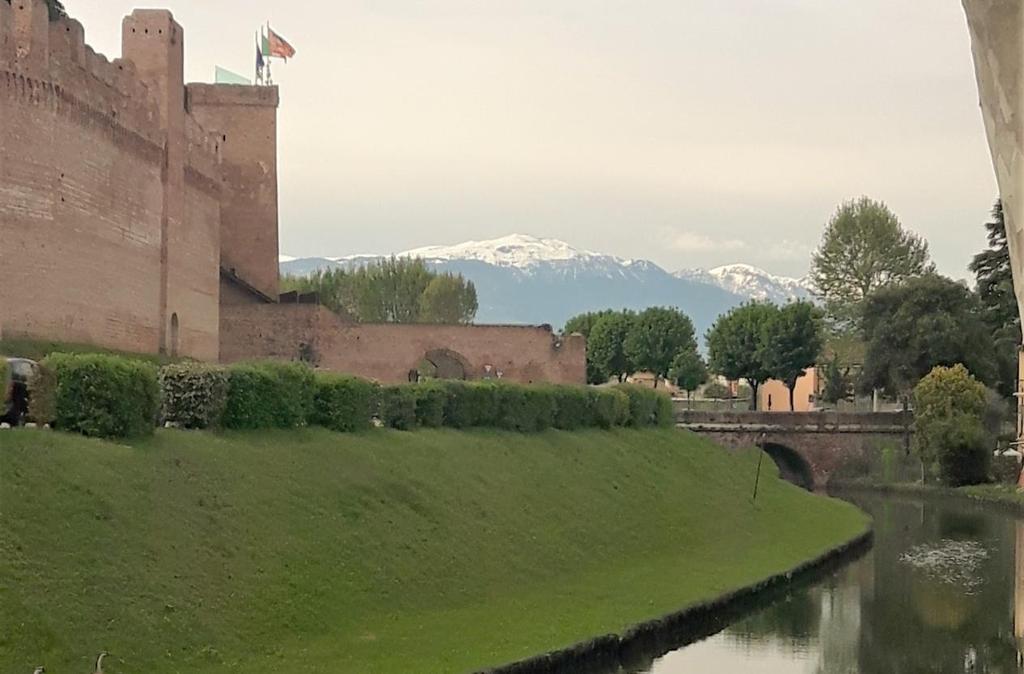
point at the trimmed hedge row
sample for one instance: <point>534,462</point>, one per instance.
<point>110,396</point>
<point>96,395</point>
<point>525,409</point>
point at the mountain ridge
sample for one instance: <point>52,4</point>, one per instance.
<point>533,280</point>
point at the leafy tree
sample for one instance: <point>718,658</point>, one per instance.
<point>391,291</point>
<point>583,324</point>
<point>606,350</point>
<point>448,299</point>
<point>656,337</point>
<point>949,409</point>
<point>736,345</point>
<point>994,276</point>
<point>688,372</point>
<point>838,382</point>
<point>924,323</point>
<point>864,248</point>
<point>793,341</point>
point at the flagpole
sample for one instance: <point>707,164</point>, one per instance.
<point>259,50</point>
<point>270,75</point>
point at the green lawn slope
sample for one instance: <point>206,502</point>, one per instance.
<point>434,551</point>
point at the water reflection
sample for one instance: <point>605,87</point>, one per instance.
<point>942,591</point>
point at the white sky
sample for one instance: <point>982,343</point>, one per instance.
<point>689,132</point>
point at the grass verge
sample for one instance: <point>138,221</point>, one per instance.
<point>435,551</point>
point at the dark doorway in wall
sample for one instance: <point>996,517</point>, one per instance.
<point>174,335</point>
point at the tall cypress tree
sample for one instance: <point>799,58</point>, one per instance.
<point>991,268</point>
<point>994,275</point>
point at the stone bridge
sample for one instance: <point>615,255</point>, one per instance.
<point>808,447</point>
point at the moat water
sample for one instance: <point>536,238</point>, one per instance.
<point>942,591</point>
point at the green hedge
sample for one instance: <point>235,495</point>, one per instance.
<point>112,396</point>
<point>608,408</point>
<point>647,407</point>
<point>342,403</point>
<point>398,407</point>
<point>97,395</point>
<point>194,395</point>
<point>431,400</point>
<point>252,398</point>
<point>297,390</point>
<point>469,405</point>
<point>524,409</point>
<point>269,394</point>
<point>513,407</point>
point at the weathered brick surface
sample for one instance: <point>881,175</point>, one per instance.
<point>244,120</point>
<point>387,353</point>
<point>110,191</point>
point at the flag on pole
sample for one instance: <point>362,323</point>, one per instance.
<point>259,61</point>
<point>264,44</point>
<point>277,46</point>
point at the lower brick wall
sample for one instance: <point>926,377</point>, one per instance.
<point>387,353</point>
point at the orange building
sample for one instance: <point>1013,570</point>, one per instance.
<point>773,396</point>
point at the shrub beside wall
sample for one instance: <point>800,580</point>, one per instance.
<point>252,398</point>
<point>398,407</point>
<point>194,395</point>
<point>97,395</point>
<point>344,404</point>
<point>112,396</point>
<point>431,399</point>
<point>647,407</point>
<point>269,395</point>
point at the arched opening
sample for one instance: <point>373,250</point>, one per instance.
<point>442,364</point>
<point>792,467</point>
<point>174,335</point>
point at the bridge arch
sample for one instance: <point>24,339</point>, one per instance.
<point>793,467</point>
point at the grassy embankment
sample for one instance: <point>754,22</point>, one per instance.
<point>435,551</point>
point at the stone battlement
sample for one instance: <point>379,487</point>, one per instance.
<point>113,205</point>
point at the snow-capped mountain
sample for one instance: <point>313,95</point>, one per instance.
<point>531,280</point>
<point>753,283</point>
<point>517,250</point>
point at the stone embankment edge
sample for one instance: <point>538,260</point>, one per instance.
<point>1007,505</point>
<point>678,629</point>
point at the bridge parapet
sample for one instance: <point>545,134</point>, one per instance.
<point>806,422</point>
<point>809,447</point>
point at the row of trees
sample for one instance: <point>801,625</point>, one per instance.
<point>755,342</point>
<point>396,290</point>
<point>658,340</point>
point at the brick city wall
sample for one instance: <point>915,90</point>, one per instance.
<point>110,190</point>
<point>387,353</point>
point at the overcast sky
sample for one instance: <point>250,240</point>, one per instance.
<point>689,132</point>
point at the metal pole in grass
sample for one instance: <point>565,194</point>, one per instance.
<point>760,458</point>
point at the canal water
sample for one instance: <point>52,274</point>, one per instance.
<point>942,591</point>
